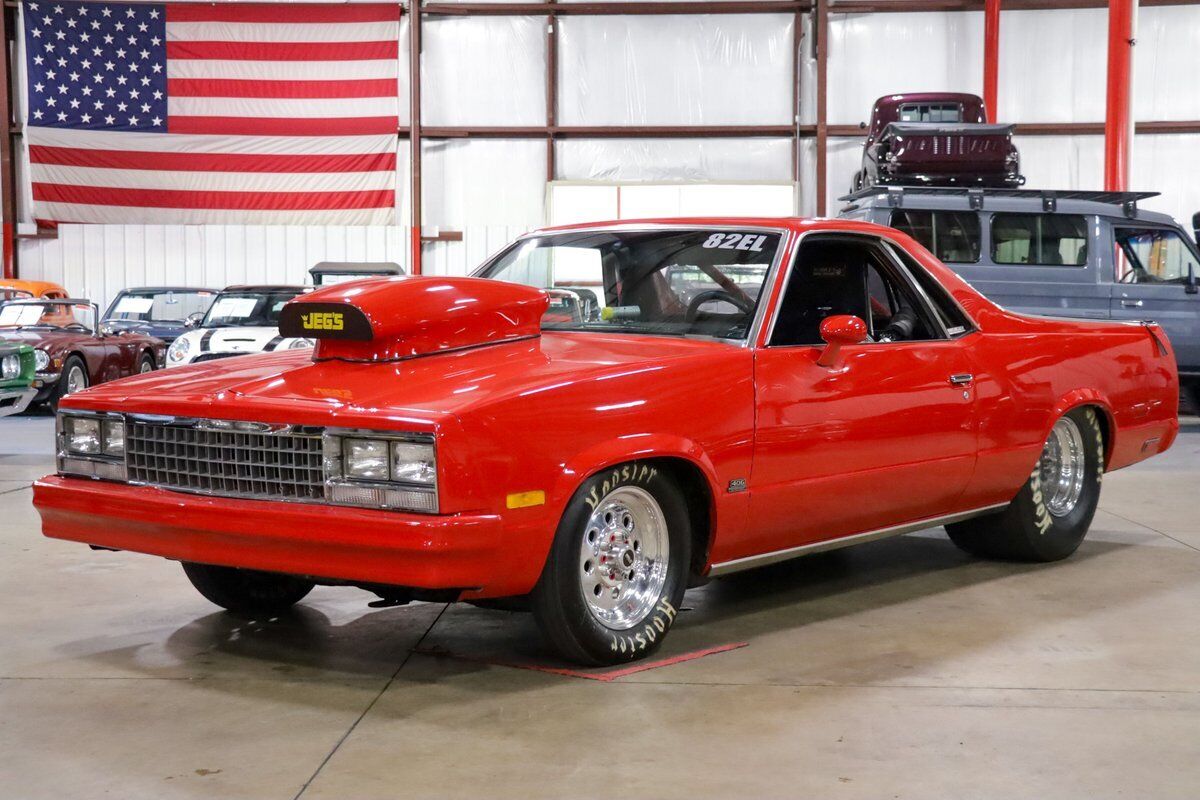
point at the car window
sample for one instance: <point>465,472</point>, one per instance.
<point>952,317</point>
<point>1153,255</point>
<point>675,282</point>
<point>839,275</point>
<point>952,236</point>
<point>1045,240</point>
<point>931,112</point>
<point>169,306</point>
<point>247,308</point>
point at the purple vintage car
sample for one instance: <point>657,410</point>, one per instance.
<point>936,139</point>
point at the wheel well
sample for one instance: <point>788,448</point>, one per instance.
<point>699,497</point>
<point>1105,430</point>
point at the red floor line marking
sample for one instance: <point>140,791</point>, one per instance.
<point>604,677</point>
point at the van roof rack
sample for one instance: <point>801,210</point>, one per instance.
<point>1049,197</point>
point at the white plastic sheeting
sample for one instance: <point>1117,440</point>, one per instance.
<point>484,182</point>
<point>1053,65</point>
<point>730,69</point>
<point>871,55</point>
<point>483,71</point>
<point>665,160</point>
<point>97,261</point>
<point>573,203</point>
<point>1166,69</point>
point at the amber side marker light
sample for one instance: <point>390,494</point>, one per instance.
<point>526,499</point>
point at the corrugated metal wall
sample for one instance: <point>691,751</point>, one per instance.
<point>97,261</point>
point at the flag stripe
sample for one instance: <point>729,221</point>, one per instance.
<point>73,212</point>
<point>224,87</point>
<point>285,70</point>
<point>284,51</point>
<point>241,126</point>
<point>209,162</point>
<point>200,144</point>
<point>283,108</point>
<point>257,32</point>
<point>165,198</point>
<point>282,12</point>
<point>211,181</point>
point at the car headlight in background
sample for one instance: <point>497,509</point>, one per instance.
<point>178,350</point>
<point>381,470</point>
<point>300,344</point>
<point>91,445</point>
<point>10,367</point>
<point>41,360</point>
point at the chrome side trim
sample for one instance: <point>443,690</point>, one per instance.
<point>763,559</point>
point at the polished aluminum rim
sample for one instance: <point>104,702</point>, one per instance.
<point>76,380</point>
<point>147,366</point>
<point>1063,467</point>
<point>623,558</point>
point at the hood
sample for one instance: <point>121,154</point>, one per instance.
<point>406,317</point>
<point>247,339</point>
<point>411,394</point>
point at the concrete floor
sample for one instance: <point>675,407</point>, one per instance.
<point>901,669</point>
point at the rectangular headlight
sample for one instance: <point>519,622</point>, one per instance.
<point>91,445</point>
<point>82,435</point>
<point>365,459</point>
<point>114,437</point>
<point>413,463</point>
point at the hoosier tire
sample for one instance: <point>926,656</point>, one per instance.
<point>1050,516</point>
<point>247,591</point>
<point>618,567</point>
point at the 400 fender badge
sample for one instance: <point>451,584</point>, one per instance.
<point>736,485</point>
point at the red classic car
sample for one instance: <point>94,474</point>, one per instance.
<point>618,412</point>
<point>71,353</point>
<point>936,139</point>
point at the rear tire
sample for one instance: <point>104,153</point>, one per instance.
<point>1050,516</point>
<point>247,591</point>
<point>617,568</point>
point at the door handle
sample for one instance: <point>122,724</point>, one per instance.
<point>962,379</point>
<point>1132,303</point>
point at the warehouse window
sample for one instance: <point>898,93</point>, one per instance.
<point>1045,240</point>
<point>952,236</point>
<point>931,112</point>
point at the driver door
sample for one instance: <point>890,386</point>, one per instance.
<point>885,436</point>
<point>1152,265</point>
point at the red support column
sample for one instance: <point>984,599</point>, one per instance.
<point>991,58</point>
<point>1118,119</point>
<point>821,37</point>
<point>414,131</point>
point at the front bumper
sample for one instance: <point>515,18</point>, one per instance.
<point>461,551</point>
<point>14,401</point>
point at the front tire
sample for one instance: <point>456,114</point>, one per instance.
<point>146,364</point>
<point>617,569</point>
<point>247,591</point>
<point>74,378</point>
<point>1050,516</point>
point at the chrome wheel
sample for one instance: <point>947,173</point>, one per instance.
<point>1063,467</point>
<point>147,366</point>
<point>76,380</point>
<point>623,558</point>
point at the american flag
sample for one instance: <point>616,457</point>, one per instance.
<point>212,113</point>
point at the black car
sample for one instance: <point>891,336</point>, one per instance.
<point>163,312</point>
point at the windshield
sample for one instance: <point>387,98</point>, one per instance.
<point>159,306</point>
<point>676,282</point>
<point>14,294</point>
<point>246,309</point>
<point>47,315</point>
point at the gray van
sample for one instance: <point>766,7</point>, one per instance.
<point>1086,254</point>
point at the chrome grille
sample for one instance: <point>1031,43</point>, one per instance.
<point>286,465</point>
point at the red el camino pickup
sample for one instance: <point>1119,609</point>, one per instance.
<point>607,414</point>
